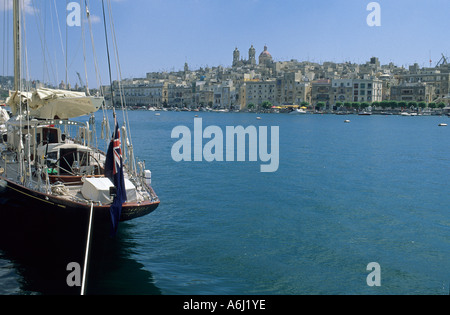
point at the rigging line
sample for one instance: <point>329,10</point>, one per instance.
<point>109,61</point>
<point>18,76</point>
<point>119,74</point>
<point>53,39</point>
<point>44,47</point>
<point>59,28</point>
<point>45,41</point>
<point>98,75</point>
<point>116,52</point>
<point>119,69</point>
<point>8,40</point>
<point>25,56</point>
<point>84,52</point>
<point>9,32</point>
<point>113,35</point>
<point>67,43</point>
<point>4,35</point>
<point>75,54</point>
<point>60,34</point>
<point>27,78</point>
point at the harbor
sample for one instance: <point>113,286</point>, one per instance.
<point>443,110</point>
<point>345,195</point>
<point>176,165</point>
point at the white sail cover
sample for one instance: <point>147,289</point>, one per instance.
<point>4,116</point>
<point>55,104</point>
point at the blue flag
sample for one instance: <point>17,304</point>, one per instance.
<point>114,171</point>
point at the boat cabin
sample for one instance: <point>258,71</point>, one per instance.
<point>66,158</point>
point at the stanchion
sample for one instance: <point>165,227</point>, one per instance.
<point>88,247</point>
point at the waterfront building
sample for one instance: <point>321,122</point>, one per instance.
<point>256,92</point>
<point>292,90</point>
<point>342,90</point>
<point>180,95</point>
<point>242,97</point>
<point>356,90</point>
<point>287,82</point>
<point>138,93</point>
<point>413,92</point>
<point>432,76</point>
<point>320,92</point>
<point>224,95</point>
<point>367,90</point>
<point>387,82</point>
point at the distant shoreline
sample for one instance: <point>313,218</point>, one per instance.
<point>437,112</point>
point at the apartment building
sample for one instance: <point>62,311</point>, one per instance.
<point>320,92</point>
<point>367,90</point>
<point>256,92</point>
<point>341,90</point>
<point>439,81</point>
<point>291,90</point>
<point>413,92</point>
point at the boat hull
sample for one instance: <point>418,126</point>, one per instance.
<point>25,212</point>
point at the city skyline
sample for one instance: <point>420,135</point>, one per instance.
<point>155,35</point>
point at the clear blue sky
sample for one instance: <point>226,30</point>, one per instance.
<point>157,35</point>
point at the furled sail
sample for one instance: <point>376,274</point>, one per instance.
<point>4,117</point>
<point>55,104</point>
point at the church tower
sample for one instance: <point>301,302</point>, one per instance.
<point>236,56</point>
<point>252,56</point>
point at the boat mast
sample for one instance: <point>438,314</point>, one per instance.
<point>17,37</point>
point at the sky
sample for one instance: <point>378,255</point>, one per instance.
<point>161,35</point>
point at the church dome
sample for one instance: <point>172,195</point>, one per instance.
<point>266,53</point>
<point>265,56</point>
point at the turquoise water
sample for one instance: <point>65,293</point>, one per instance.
<point>345,195</point>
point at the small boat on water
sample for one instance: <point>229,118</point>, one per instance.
<point>298,111</point>
<point>442,125</point>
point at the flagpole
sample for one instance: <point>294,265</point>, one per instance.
<point>88,249</point>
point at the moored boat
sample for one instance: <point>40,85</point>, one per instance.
<point>298,111</point>
<point>53,174</point>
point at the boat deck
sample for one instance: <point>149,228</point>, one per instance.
<point>70,191</point>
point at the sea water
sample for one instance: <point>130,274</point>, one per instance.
<point>345,195</point>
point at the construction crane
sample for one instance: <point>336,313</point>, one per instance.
<point>442,61</point>
<point>81,81</point>
<point>83,87</point>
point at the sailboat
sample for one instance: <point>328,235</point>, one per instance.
<point>53,175</point>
